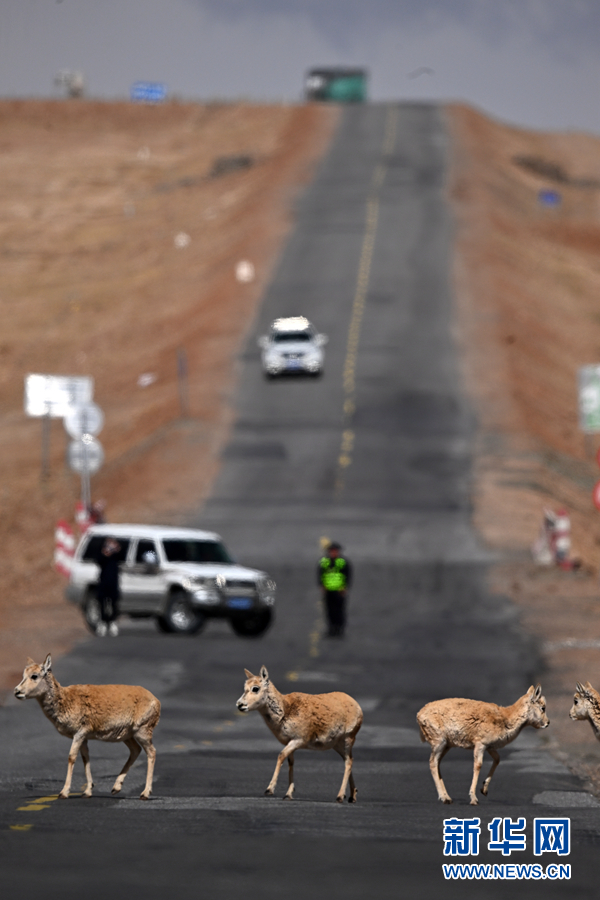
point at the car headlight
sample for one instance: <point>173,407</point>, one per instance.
<point>266,591</point>
<point>273,362</point>
<point>192,582</point>
<point>207,593</point>
<point>203,590</point>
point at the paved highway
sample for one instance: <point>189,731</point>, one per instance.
<point>377,455</point>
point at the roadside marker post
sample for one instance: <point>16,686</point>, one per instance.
<point>182,382</point>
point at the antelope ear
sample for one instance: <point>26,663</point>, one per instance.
<point>530,691</point>
<point>47,667</point>
<point>588,686</point>
<point>580,688</point>
<point>538,692</point>
<point>264,674</point>
<point>30,661</point>
<point>248,673</point>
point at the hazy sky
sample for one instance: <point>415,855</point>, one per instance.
<point>532,62</point>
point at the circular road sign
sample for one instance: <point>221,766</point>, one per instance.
<point>85,455</point>
<point>85,419</point>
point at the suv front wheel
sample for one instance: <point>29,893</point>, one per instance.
<point>180,617</point>
<point>91,610</point>
<point>251,624</point>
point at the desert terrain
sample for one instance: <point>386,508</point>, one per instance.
<point>121,227</point>
<point>527,278</point>
<point>120,230</point>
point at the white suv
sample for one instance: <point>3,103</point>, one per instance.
<point>292,347</point>
<point>179,576</point>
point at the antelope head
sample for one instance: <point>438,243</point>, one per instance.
<point>34,679</point>
<point>256,689</point>
<point>537,707</point>
<point>585,702</point>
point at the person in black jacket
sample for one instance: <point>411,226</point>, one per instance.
<point>335,577</point>
<point>109,592</point>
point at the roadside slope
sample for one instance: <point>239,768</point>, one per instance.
<point>527,280</point>
<point>92,197</point>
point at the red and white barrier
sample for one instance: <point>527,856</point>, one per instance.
<point>82,517</point>
<point>553,545</point>
<point>64,548</point>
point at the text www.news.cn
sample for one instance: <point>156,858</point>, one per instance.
<point>506,871</point>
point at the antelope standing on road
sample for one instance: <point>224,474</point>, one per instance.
<point>482,726</point>
<point>101,712</point>
<point>305,722</point>
<point>586,705</point>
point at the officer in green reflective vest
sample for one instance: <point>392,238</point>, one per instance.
<point>335,577</point>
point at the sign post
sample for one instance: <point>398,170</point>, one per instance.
<point>50,397</point>
<point>85,453</point>
<point>85,456</point>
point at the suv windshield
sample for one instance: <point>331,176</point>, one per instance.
<point>192,551</point>
<point>92,549</point>
<point>280,336</point>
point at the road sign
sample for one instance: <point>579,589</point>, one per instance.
<point>54,395</point>
<point>589,399</point>
<point>85,455</point>
<point>85,419</point>
<point>149,91</point>
<point>549,198</point>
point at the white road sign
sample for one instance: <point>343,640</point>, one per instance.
<point>85,455</point>
<point>589,399</point>
<point>86,419</point>
<point>54,395</point>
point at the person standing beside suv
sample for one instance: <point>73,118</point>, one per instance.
<point>109,592</point>
<point>335,577</point>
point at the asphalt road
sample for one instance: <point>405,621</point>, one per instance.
<point>376,454</point>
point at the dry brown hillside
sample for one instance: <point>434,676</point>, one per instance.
<point>527,281</point>
<point>92,197</point>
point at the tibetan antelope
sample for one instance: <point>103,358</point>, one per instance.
<point>586,705</point>
<point>478,725</point>
<point>305,722</point>
<point>100,712</point>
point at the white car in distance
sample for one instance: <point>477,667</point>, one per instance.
<point>292,347</point>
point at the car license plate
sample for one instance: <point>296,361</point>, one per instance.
<point>239,603</point>
<point>293,364</point>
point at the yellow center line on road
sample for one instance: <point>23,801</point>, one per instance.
<point>349,372</point>
<point>360,299</point>
<point>35,805</point>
